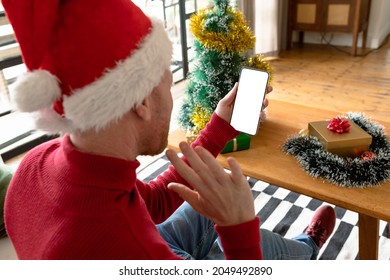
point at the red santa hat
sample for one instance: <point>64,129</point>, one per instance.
<point>89,62</point>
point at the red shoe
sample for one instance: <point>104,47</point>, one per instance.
<point>322,225</point>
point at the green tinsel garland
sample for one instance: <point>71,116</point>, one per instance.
<point>346,172</point>
<point>225,33</point>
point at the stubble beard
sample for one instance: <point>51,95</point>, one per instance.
<point>150,147</point>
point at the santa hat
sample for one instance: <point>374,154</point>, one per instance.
<point>89,62</point>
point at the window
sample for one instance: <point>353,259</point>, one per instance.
<point>17,134</point>
<point>175,15</point>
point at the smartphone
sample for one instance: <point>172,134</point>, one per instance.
<point>252,86</point>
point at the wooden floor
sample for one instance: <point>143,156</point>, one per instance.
<point>324,77</point>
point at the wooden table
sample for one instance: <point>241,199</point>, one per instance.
<point>266,161</point>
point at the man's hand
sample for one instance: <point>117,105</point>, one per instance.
<point>225,106</point>
<point>225,198</point>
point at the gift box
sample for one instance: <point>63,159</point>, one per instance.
<point>347,144</point>
<point>241,142</point>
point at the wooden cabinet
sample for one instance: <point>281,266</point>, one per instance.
<point>335,16</point>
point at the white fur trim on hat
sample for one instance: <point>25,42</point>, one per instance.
<point>35,90</point>
<point>51,122</point>
<point>121,88</point>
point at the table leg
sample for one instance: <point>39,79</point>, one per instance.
<point>368,237</point>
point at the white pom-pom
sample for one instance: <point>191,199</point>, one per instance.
<point>35,90</point>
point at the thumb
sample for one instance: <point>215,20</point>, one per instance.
<point>229,98</point>
<point>225,105</point>
<point>184,192</point>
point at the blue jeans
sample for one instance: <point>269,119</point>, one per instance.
<point>192,236</point>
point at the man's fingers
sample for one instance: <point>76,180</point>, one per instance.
<point>236,172</point>
<point>192,197</point>
<point>265,103</point>
<point>193,158</point>
<point>181,167</point>
<point>213,166</point>
<point>229,98</point>
<point>194,173</point>
<point>200,170</point>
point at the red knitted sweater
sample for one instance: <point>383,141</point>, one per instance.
<point>66,204</point>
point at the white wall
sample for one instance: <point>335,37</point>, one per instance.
<point>267,19</point>
<point>378,28</point>
<point>267,27</point>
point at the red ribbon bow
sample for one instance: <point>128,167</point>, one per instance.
<point>339,125</point>
<point>368,155</point>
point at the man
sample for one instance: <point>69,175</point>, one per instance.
<point>98,73</point>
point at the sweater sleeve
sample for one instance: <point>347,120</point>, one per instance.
<point>241,242</point>
<point>215,135</point>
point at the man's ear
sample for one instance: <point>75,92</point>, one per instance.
<point>143,110</point>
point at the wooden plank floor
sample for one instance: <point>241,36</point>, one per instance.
<point>324,77</point>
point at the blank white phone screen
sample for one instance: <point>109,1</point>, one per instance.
<point>249,100</point>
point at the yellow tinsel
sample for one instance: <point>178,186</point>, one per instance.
<point>200,118</point>
<point>239,38</point>
<point>260,63</point>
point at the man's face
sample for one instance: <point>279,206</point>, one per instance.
<point>162,105</point>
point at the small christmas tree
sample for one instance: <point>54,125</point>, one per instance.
<point>222,38</point>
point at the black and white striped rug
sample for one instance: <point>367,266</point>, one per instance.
<point>288,214</point>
